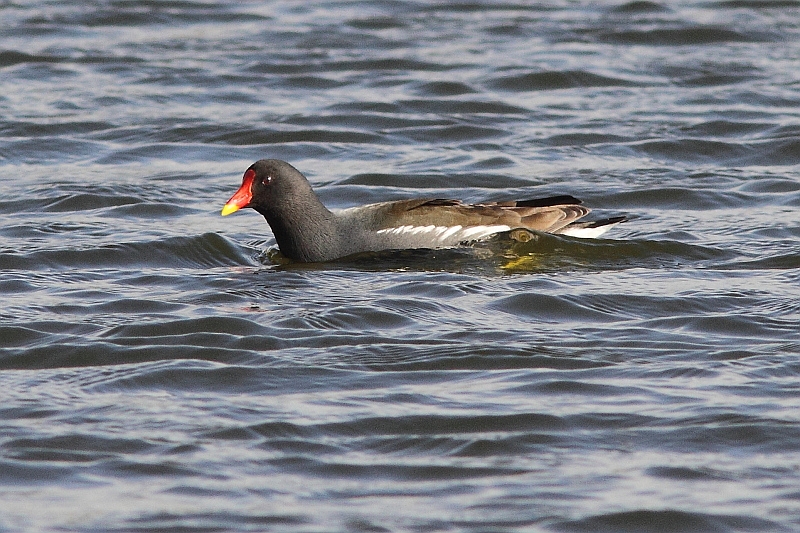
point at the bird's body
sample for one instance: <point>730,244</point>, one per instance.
<point>307,231</point>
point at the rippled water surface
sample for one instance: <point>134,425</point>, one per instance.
<point>162,370</point>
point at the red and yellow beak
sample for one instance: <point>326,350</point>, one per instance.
<point>242,197</point>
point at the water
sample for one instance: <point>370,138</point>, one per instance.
<point>161,369</point>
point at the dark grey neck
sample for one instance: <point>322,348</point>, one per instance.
<point>305,231</point>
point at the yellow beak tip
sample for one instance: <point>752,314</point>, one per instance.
<point>228,209</point>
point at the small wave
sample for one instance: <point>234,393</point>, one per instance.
<point>695,150</point>
<point>726,128</point>
<point>646,521</point>
<point>259,137</point>
<point>39,150</point>
<point>683,36</point>
<point>352,318</point>
<point>543,81</point>
<point>309,82</point>
<point>548,252</point>
<point>377,23</point>
<point>557,309</point>
<point>16,473</point>
<point>87,201</point>
<point>139,13</point>
<point>772,152</point>
<point>77,352</point>
<point>756,4</point>
<point>788,261</point>
<point>450,134</point>
<point>639,6</point>
<point>235,136</point>
<point>710,74</point>
<point>468,107</point>
<point>421,182</point>
<point>585,139</point>
<point>196,374</point>
<point>365,120</point>
<point>76,447</point>
<point>444,88</point>
<point>688,474</point>
<point>374,66</point>
<point>12,57</point>
<point>40,129</point>
<point>203,251</point>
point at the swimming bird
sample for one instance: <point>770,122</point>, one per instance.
<point>307,231</point>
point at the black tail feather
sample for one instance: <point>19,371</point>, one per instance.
<point>606,222</point>
<point>564,199</point>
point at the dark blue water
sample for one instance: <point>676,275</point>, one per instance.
<point>161,369</point>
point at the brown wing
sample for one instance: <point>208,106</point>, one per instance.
<point>547,214</point>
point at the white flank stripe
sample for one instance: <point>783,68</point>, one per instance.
<point>451,230</point>
<point>478,232</point>
<point>443,233</point>
<point>422,229</point>
<point>397,231</point>
<point>413,230</point>
<point>586,233</point>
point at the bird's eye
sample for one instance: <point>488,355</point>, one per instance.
<point>267,180</point>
